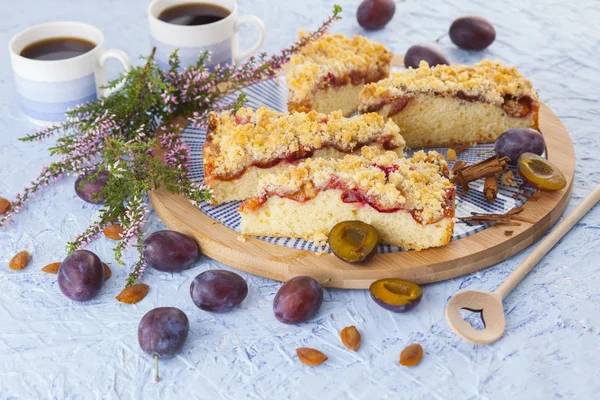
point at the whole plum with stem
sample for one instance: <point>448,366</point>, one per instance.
<point>162,332</point>
<point>90,192</point>
<point>81,275</point>
<point>298,300</point>
<point>516,141</point>
<point>375,14</point>
<point>218,290</point>
<point>170,251</point>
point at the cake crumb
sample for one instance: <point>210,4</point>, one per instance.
<point>320,239</point>
<point>242,238</point>
<point>451,155</point>
<point>508,179</point>
<point>508,233</point>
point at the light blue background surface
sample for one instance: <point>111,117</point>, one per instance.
<point>51,347</point>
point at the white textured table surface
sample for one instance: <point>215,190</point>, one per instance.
<point>51,347</point>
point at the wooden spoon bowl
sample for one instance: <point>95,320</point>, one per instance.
<point>492,316</point>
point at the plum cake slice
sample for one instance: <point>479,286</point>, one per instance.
<point>450,104</point>
<point>328,74</point>
<point>242,147</point>
<point>409,201</point>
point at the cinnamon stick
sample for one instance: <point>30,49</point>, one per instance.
<point>490,188</point>
<point>510,218</point>
<point>488,167</point>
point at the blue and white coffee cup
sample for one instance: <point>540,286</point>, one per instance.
<point>48,88</point>
<point>220,37</point>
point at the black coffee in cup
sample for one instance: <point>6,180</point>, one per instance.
<point>191,14</point>
<point>59,48</point>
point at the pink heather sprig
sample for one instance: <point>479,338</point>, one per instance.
<point>177,152</point>
<point>132,222</point>
<point>83,150</point>
<point>139,267</point>
<point>48,174</point>
<point>84,238</point>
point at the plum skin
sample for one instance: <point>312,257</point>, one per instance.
<point>419,52</point>
<point>91,188</point>
<point>163,331</point>
<point>298,300</point>
<point>81,276</point>
<point>170,251</point>
<point>375,14</point>
<point>408,300</point>
<point>513,142</point>
<point>472,33</point>
<point>218,290</point>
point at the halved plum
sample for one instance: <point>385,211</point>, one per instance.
<point>540,173</point>
<point>353,241</point>
<point>396,295</point>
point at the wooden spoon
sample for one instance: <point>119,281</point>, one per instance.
<point>490,304</point>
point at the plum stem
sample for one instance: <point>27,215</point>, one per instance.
<point>156,378</point>
<point>325,282</point>
<point>441,37</point>
<point>486,152</point>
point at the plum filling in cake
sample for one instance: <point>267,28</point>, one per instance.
<point>522,107</point>
<point>309,190</point>
<point>241,147</point>
<point>354,195</point>
<point>387,142</point>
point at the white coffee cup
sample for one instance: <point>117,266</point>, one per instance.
<point>220,38</point>
<point>48,88</point>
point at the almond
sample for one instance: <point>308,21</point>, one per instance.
<point>411,355</point>
<point>107,271</point>
<point>52,268</point>
<point>114,232</point>
<point>134,293</point>
<point>19,261</point>
<point>310,356</point>
<point>351,337</point>
<point>4,205</point>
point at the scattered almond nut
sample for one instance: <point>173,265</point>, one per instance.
<point>134,293</point>
<point>19,261</point>
<point>411,355</point>
<point>114,232</point>
<point>351,337</point>
<point>107,271</point>
<point>4,205</point>
<point>52,268</point>
<point>310,356</point>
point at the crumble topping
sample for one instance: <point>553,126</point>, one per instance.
<point>488,81</point>
<point>416,183</point>
<point>337,56</point>
<point>246,138</point>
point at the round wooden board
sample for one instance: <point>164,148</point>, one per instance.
<point>460,257</point>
